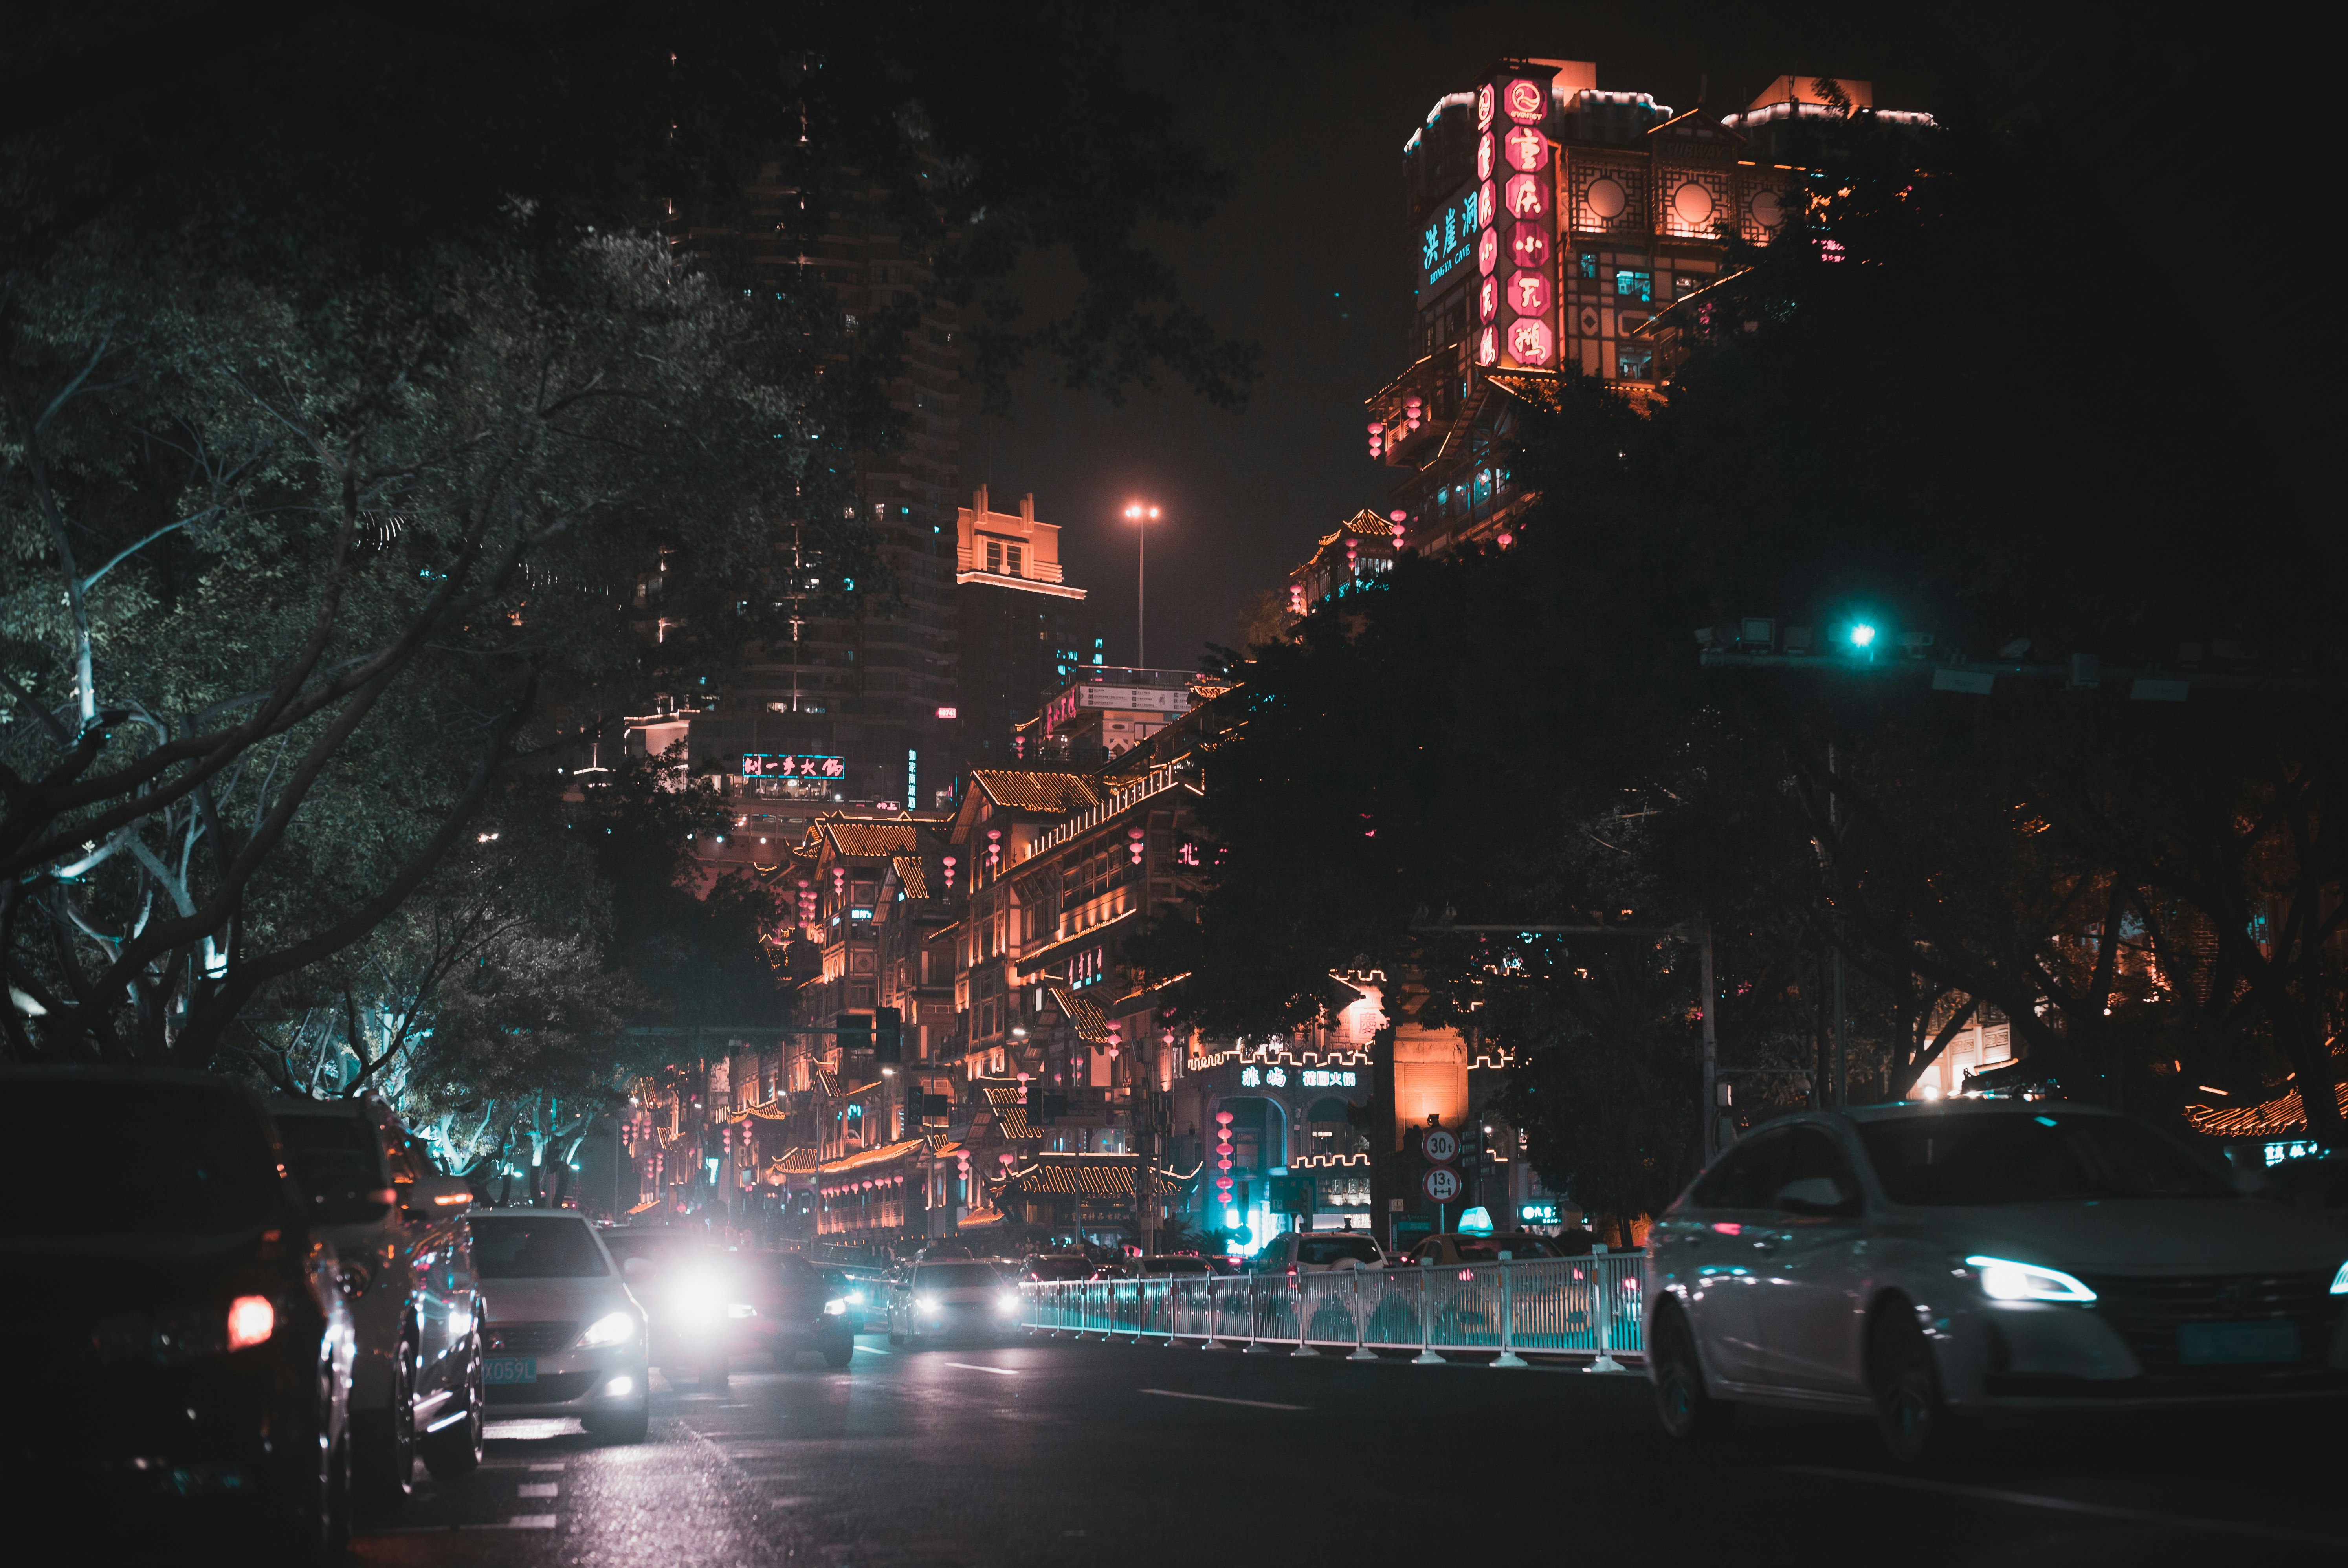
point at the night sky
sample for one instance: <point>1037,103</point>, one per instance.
<point>1311,259</point>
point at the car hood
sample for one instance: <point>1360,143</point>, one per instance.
<point>2141,1236</point>
<point>545,1300</point>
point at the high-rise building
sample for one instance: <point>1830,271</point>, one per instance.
<point>1024,632</point>
<point>1559,228</point>
<point>856,704</point>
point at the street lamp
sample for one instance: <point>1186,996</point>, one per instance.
<point>1141,514</point>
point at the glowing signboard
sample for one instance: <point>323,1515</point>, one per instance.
<point>1488,300</point>
<point>1486,151</point>
<point>1446,242</point>
<point>793,767</point>
<point>1521,333</point>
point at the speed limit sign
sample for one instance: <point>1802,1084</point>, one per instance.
<point>1440,1145</point>
<point>1441,1184</point>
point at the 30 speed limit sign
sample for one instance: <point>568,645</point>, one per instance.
<point>1441,1144</point>
<point>1441,1184</point>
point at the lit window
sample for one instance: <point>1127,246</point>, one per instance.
<point>994,555</point>
<point>1634,365</point>
<point>1590,264</point>
<point>1639,286</point>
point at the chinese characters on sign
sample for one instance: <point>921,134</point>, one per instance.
<point>1526,337</point>
<point>793,767</point>
<point>1328,1078</point>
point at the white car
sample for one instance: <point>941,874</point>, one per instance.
<point>1925,1263</point>
<point>1318,1252</point>
<point>952,1300</point>
<point>564,1335</point>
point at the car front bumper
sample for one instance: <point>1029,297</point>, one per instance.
<point>572,1382</point>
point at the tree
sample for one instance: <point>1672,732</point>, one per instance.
<point>282,585</point>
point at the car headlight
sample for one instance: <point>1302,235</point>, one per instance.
<point>2340,1281</point>
<point>611,1329</point>
<point>857,1296</point>
<point>2003,1280</point>
<point>1006,1304</point>
<point>835,1308</point>
<point>741,1309</point>
<point>700,1295</point>
<point>925,1302</point>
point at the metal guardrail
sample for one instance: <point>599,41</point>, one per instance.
<point>1572,1306</point>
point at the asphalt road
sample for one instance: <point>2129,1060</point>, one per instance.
<point>1041,1451</point>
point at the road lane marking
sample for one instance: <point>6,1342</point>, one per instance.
<point>975,1366</point>
<point>2067,1505</point>
<point>1218,1399</point>
<point>531,1522</point>
<point>874,1350</point>
<point>536,1489</point>
<point>556,1465</point>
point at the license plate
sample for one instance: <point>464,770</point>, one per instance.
<point>509,1369</point>
<point>2236,1344</point>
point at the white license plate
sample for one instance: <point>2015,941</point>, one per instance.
<point>509,1369</point>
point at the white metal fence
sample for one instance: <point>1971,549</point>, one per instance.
<point>1570,1306</point>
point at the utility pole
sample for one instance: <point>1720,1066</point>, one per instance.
<point>1711,1046</point>
<point>1833,826</point>
<point>1141,515</point>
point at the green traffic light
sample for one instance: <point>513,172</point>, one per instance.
<point>1862,636</point>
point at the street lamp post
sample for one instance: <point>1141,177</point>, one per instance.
<point>1141,514</point>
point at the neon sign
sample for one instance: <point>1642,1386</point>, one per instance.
<point>1529,294</point>
<point>755,767</point>
<point>1488,299</point>
<point>1484,156</point>
<point>1446,242</point>
<point>1526,196</point>
<point>1328,1078</point>
<point>1525,101</point>
<point>1529,244</point>
<point>1527,150</point>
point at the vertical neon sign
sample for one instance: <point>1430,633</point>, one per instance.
<point>1522,335</point>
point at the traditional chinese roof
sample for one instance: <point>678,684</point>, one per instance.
<point>652,1202</point>
<point>980,1219</point>
<point>1089,1176</point>
<point>1009,1115</point>
<point>865,837</point>
<point>871,1157</point>
<point>795,1163</point>
<point>911,875</point>
<point>2281,1117</point>
<point>1043,792</point>
<point>1091,1023</point>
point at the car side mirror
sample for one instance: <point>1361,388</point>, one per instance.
<point>1815,1195</point>
<point>436,1194</point>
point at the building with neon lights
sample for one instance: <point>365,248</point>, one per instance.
<point>1560,229</point>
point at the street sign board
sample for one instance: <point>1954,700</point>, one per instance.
<point>1441,1144</point>
<point>1441,1184</point>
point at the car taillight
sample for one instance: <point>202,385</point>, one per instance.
<point>251,1321</point>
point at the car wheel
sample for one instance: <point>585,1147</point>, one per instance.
<point>1908,1410</point>
<point>455,1449</point>
<point>618,1426</point>
<point>385,1453</point>
<point>840,1354</point>
<point>312,1518</point>
<point>1682,1403</point>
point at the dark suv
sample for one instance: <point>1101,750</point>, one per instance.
<point>180,1343</point>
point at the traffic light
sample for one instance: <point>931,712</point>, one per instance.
<point>939,1106</point>
<point>888,1035</point>
<point>853,1030</point>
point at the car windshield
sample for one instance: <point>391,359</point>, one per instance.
<point>1322,1251</point>
<point>954,1276</point>
<point>1489,1248</point>
<point>332,1155</point>
<point>197,1159</point>
<point>1959,1159</point>
<point>1058,1268</point>
<point>549,1248</point>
